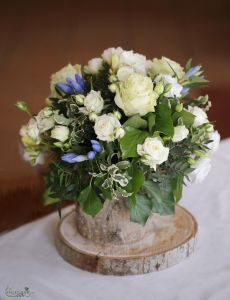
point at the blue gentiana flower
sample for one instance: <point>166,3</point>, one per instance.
<point>185,90</point>
<point>74,157</point>
<point>96,146</point>
<point>77,86</point>
<point>192,71</point>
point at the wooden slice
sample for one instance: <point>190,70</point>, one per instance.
<point>155,252</point>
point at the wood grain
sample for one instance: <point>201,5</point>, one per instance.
<point>154,251</point>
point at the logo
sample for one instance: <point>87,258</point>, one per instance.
<point>10,292</point>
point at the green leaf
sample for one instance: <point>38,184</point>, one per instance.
<point>137,180</point>
<point>186,117</point>
<point>188,64</point>
<point>151,121</point>
<point>47,199</point>
<point>131,139</point>
<point>164,123</point>
<point>141,211</point>
<point>136,122</point>
<point>89,201</point>
<point>177,186</point>
<point>162,200</point>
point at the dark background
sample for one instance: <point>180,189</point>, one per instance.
<point>40,37</point>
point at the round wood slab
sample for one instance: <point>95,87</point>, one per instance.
<point>171,245</point>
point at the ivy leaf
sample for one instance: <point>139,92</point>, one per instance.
<point>137,180</point>
<point>89,201</point>
<point>162,201</point>
<point>164,122</point>
<point>186,117</point>
<point>141,211</point>
<point>62,120</point>
<point>136,122</point>
<point>177,186</point>
<point>131,139</point>
<point>151,121</point>
<point>47,199</point>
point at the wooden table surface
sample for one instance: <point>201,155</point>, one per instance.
<point>39,37</point>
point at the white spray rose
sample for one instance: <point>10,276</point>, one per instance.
<point>214,145</point>
<point>153,152</point>
<point>180,133</point>
<point>108,128</point>
<point>45,119</point>
<point>175,90</point>
<point>136,61</point>
<point>124,72</point>
<point>200,115</point>
<point>108,53</point>
<point>202,168</point>
<point>165,66</point>
<point>61,75</point>
<point>93,102</point>
<point>60,133</point>
<point>94,66</point>
<point>135,95</point>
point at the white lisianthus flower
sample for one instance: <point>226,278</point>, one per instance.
<point>30,134</point>
<point>61,75</point>
<point>34,157</point>
<point>176,88</point>
<point>180,133</point>
<point>200,115</point>
<point>60,132</point>
<point>137,61</point>
<point>93,102</point>
<point>45,119</point>
<point>214,145</point>
<point>124,72</point>
<point>107,128</point>
<point>165,66</point>
<point>135,95</point>
<point>202,168</point>
<point>94,66</point>
<point>108,53</point>
<point>153,152</point>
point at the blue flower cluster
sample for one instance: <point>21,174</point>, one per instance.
<point>74,157</point>
<point>73,86</point>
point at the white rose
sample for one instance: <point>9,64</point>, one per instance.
<point>176,88</point>
<point>165,66</point>
<point>214,145</point>
<point>61,75</point>
<point>124,72</point>
<point>135,95</point>
<point>108,53</point>
<point>202,168</point>
<point>45,119</point>
<point>94,66</point>
<point>107,128</point>
<point>200,115</point>
<point>93,102</point>
<point>136,61</point>
<point>180,133</point>
<point>60,133</point>
<point>153,152</point>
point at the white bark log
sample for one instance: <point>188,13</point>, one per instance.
<point>153,249</point>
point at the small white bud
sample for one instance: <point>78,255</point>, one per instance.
<point>117,114</point>
<point>93,116</point>
<point>113,88</point>
<point>79,99</point>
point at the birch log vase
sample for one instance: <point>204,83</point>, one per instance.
<point>111,244</point>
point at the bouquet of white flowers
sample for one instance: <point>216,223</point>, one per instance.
<point>123,126</point>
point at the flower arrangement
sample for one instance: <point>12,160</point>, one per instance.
<point>123,126</point>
